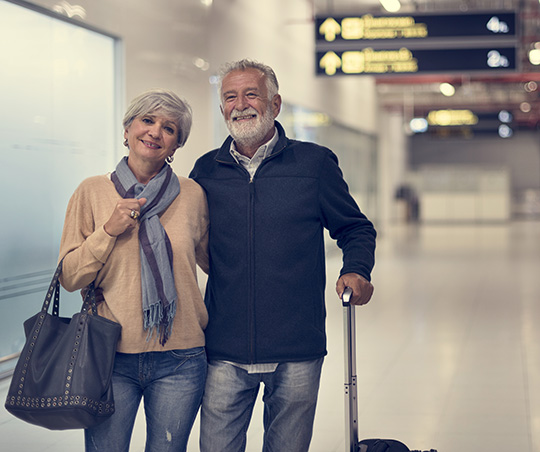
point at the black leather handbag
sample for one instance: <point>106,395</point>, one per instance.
<point>62,379</point>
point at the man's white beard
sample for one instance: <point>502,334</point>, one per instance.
<point>251,132</point>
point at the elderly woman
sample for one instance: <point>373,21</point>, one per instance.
<point>139,234</point>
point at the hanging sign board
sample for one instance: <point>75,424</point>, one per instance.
<point>414,27</point>
<point>411,44</point>
<point>368,61</point>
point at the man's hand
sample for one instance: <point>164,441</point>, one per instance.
<point>362,289</point>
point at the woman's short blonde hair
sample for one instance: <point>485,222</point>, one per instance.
<point>165,102</point>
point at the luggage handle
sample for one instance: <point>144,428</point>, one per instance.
<point>351,402</point>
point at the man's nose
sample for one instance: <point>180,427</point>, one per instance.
<point>242,103</point>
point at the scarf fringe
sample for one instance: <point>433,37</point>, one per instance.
<point>160,320</point>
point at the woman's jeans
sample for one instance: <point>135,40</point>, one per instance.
<point>172,385</point>
<point>290,398</point>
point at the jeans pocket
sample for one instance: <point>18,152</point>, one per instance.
<point>184,355</point>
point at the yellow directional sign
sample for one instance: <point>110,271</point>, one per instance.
<point>417,27</point>
<point>409,61</point>
<point>414,43</point>
<point>330,28</point>
<point>330,62</point>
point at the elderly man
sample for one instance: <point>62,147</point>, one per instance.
<point>270,199</point>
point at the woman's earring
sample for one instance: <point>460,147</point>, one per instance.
<point>126,143</point>
<point>170,158</point>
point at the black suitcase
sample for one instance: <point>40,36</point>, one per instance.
<point>351,403</point>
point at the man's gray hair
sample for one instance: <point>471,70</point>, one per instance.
<point>272,84</point>
<point>165,102</point>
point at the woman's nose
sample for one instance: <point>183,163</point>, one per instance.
<point>154,130</point>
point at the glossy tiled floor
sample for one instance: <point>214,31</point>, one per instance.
<point>448,349</point>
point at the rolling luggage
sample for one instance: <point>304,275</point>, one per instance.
<point>351,403</point>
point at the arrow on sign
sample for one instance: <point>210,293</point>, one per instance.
<point>330,62</point>
<point>330,28</point>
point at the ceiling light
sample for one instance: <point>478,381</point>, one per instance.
<point>531,86</point>
<point>202,64</point>
<point>505,131</point>
<point>447,89</point>
<point>525,107</point>
<point>534,56</point>
<point>391,6</point>
<point>418,125</point>
<point>505,116</point>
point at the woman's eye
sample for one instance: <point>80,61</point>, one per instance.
<point>147,120</point>
<point>169,130</point>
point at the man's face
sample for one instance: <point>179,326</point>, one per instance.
<point>248,112</point>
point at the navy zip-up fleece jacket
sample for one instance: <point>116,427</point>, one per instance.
<point>265,290</point>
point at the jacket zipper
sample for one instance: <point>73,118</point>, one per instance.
<point>251,264</point>
<point>251,273</point>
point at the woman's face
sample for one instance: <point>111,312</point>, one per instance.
<point>152,138</point>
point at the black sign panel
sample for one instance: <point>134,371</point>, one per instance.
<point>414,27</point>
<point>367,61</point>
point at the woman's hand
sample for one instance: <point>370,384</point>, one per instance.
<point>122,218</point>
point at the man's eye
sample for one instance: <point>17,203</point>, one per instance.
<point>251,95</point>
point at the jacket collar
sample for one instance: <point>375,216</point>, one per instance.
<point>223,155</point>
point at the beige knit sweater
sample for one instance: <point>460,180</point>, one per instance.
<point>114,262</point>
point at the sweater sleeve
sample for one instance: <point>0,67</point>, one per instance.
<point>202,247</point>
<point>84,245</point>
<point>354,233</point>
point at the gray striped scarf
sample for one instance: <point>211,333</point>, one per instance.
<point>157,277</point>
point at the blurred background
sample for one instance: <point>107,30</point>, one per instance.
<point>432,107</point>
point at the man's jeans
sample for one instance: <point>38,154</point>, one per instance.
<point>172,384</point>
<point>290,398</point>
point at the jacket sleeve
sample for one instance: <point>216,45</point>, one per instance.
<point>354,233</point>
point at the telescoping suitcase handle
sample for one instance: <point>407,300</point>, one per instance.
<point>351,402</point>
<point>351,399</point>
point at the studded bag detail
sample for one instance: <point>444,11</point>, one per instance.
<point>62,379</point>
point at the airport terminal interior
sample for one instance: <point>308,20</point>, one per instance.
<point>439,144</point>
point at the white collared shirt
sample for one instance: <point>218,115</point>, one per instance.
<point>251,164</point>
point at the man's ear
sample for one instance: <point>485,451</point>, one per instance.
<point>276,105</point>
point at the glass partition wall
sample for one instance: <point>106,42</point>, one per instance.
<point>59,91</point>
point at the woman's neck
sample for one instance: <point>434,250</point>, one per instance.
<point>144,171</point>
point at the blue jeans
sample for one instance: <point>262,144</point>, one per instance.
<point>172,384</point>
<point>290,398</point>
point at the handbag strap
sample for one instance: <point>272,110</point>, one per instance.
<point>89,302</point>
<point>89,299</point>
<point>54,288</point>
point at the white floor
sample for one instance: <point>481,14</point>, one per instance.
<point>448,349</point>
